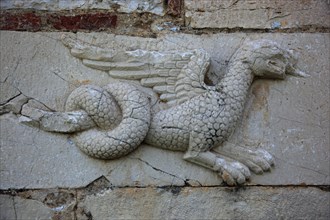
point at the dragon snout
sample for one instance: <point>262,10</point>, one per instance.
<point>291,68</point>
<point>294,71</point>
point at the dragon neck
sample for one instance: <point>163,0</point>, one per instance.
<point>235,85</point>
<point>238,80</point>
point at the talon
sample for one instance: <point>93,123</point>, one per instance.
<point>258,171</point>
<point>262,163</point>
<point>267,167</point>
<point>254,167</point>
<point>234,173</point>
<point>241,179</point>
<point>267,156</point>
<point>242,169</point>
<point>227,178</point>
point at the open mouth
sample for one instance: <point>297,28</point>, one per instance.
<point>278,67</point>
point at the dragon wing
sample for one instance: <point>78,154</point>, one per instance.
<point>175,76</point>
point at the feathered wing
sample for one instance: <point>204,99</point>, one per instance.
<point>175,76</point>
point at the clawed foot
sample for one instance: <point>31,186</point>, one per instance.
<point>232,172</point>
<point>258,161</point>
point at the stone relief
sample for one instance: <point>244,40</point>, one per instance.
<point>161,99</point>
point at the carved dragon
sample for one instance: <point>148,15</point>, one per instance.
<point>111,121</point>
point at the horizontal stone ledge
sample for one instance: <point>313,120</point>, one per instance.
<point>143,24</point>
<point>155,6</point>
<point>137,24</point>
<point>264,14</point>
<point>208,203</point>
<point>69,21</point>
<point>168,203</point>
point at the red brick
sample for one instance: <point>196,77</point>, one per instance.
<point>94,21</point>
<point>26,21</point>
<point>174,7</point>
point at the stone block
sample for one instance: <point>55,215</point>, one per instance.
<point>14,207</point>
<point>262,14</point>
<point>209,203</point>
<point>99,201</point>
<point>154,6</point>
<point>287,118</point>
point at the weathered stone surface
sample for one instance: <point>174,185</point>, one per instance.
<point>259,14</point>
<point>11,99</point>
<point>287,118</point>
<point>14,207</point>
<point>38,204</point>
<point>7,209</point>
<point>209,203</point>
<point>95,202</point>
<point>153,6</point>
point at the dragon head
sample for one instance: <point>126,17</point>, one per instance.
<point>268,60</point>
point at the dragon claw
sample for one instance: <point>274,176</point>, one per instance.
<point>232,172</point>
<point>258,161</point>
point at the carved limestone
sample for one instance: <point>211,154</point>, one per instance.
<point>111,121</point>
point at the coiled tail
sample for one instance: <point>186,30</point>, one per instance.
<point>121,114</point>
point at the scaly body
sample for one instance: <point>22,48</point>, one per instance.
<point>210,117</point>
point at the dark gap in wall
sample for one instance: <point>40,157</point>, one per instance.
<point>171,188</point>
